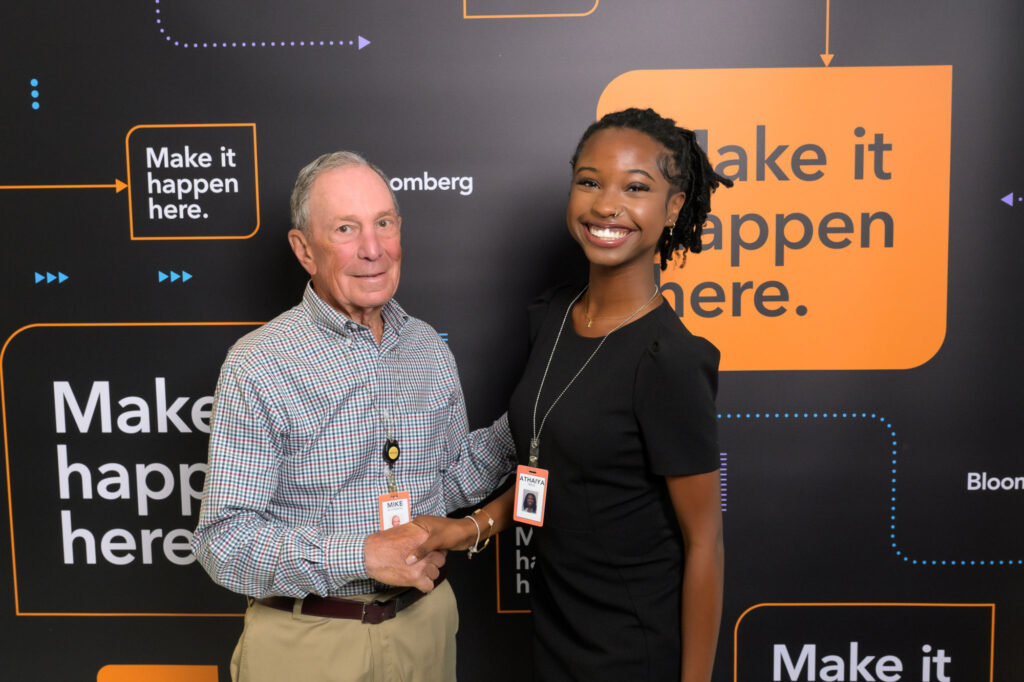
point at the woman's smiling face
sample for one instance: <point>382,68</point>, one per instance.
<point>620,201</point>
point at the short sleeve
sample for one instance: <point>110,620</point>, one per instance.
<point>676,386</point>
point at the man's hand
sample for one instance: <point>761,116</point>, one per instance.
<point>447,533</point>
<point>388,555</point>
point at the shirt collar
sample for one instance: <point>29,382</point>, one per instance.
<point>329,319</point>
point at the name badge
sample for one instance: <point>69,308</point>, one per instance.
<point>530,495</point>
<point>394,509</point>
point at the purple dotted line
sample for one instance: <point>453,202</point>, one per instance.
<point>363,42</point>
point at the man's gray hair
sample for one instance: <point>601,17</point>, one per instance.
<point>326,162</point>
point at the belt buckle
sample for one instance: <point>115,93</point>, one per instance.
<point>386,611</point>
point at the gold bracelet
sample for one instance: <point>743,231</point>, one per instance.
<point>490,523</point>
<point>477,548</point>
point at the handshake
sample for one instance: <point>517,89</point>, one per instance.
<point>412,554</point>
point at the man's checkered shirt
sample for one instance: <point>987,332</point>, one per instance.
<point>297,436</point>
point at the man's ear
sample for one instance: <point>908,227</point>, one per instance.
<point>300,247</point>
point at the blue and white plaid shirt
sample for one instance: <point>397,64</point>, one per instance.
<point>301,414</point>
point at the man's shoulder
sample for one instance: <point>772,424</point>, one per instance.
<point>423,335</point>
<point>277,334</point>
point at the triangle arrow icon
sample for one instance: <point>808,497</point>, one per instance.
<point>1008,199</point>
<point>161,276</point>
<point>39,278</point>
<point>363,42</point>
<point>50,277</point>
<point>61,277</point>
<point>185,276</point>
<point>175,276</point>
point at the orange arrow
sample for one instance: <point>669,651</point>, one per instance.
<point>117,186</point>
<point>827,57</point>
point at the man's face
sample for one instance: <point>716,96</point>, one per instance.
<point>352,248</point>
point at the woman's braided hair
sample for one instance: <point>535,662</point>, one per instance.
<point>686,167</point>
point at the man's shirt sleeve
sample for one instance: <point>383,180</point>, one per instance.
<point>478,461</point>
<point>238,540</point>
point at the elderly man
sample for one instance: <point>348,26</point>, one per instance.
<point>329,422</point>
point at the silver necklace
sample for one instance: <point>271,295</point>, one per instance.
<point>535,440</point>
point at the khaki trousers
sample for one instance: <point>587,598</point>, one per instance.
<point>417,645</point>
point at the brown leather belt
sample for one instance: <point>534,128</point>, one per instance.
<point>372,613</point>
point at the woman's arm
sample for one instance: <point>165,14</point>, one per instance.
<point>448,533</point>
<point>698,509</point>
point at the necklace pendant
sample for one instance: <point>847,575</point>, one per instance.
<point>589,322</point>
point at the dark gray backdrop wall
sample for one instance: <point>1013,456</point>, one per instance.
<point>872,479</point>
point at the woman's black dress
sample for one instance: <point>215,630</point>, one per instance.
<point>606,585</point>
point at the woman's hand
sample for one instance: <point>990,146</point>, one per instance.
<point>445,533</point>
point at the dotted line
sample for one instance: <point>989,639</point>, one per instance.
<point>723,477</point>
<point>892,490</point>
<point>35,93</point>
<point>249,43</point>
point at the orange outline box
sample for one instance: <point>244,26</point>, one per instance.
<point>736,629</point>
<point>157,673</point>
<point>497,577</point>
<point>876,302</point>
<point>255,175</point>
<point>467,15</point>
<point>7,458</point>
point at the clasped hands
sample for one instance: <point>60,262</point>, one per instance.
<point>412,554</point>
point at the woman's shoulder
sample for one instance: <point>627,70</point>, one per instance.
<point>673,338</point>
<point>553,300</point>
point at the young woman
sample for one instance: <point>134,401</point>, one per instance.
<point>617,403</point>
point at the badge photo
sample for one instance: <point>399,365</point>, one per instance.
<point>395,509</point>
<point>530,495</point>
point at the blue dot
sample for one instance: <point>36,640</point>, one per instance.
<point>34,82</point>
<point>35,93</point>
<point>35,105</point>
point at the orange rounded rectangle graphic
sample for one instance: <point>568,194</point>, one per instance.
<point>192,181</point>
<point>157,673</point>
<point>527,9</point>
<point>830,251</point>
<point>864,640</point>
